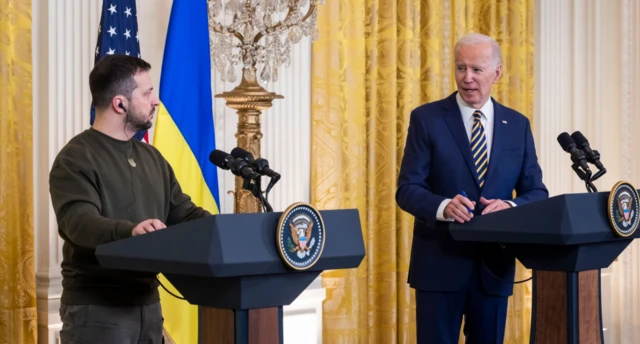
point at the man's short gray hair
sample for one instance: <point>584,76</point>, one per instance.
<point>478,38</point>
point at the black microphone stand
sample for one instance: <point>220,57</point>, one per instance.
<point>599,166</point>
<point>590,187</point>
<point>256,191</point>
<point>585,176</point>
<point>594,159</point>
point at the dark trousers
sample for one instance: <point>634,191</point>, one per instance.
<point>439,315</point>
<point>93,324</point>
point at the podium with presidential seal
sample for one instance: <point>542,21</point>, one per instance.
<point>565,240</point>
<point>242,268</point>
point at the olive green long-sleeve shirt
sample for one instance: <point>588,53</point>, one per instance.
<point>101,188</point>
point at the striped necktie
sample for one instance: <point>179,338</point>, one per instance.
<point>479,148</point>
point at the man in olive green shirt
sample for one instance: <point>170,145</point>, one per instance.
<point>106,186</point>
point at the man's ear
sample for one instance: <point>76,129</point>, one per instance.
<point>119,104</point>
<point>498,73</point>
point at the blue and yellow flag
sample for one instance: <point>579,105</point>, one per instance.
<point>185,135</point>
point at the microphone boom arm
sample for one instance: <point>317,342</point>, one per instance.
<point>256,191</point>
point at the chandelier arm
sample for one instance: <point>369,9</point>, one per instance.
<point>249,37</point>
<point>312,7</point>
<point>280,24</point>
<point>217,28</point>
<point>234,32</point>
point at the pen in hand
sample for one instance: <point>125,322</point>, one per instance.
<point>464,194</point>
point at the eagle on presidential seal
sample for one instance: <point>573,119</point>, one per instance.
<point>301,231</point>
<point>625,208</point>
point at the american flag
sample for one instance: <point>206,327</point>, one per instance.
<point>118,34</point>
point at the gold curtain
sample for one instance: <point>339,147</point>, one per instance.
<point>17,278</point>
<point>373,63</point>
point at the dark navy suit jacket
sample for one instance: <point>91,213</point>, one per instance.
<point>437,164</point>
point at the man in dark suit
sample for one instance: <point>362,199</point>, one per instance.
<point>464,156</point>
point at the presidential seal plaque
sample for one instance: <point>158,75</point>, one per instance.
<point>623,209</point>
<point>300,236</point>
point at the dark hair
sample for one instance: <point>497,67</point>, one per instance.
<point>113,75</point>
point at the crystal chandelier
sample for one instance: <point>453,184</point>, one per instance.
<point>257,34</point>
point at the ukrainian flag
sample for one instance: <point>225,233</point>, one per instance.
<point>184,133</point>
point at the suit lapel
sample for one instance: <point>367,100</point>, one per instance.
<point>498,135</point>
<point>456,126</point>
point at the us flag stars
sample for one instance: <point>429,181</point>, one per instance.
<point>118,23</point>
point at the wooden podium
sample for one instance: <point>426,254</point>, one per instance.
<point>230,266</point>
<point>565,240</point>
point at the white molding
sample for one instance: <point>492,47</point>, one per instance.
<point>63,40</point>
<point>622,271</point>
<point>552,87</point>
<point>49,283</point>
<point>49,324</point>
<point>298,315</point>
<point>627,271</point>
<point>287,128</point>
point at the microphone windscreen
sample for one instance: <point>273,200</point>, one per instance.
<point>579,138</point>
<point>218,158</point>
<point>565,141</point>
<point>240,153</point>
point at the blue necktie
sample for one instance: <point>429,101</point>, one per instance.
<point>479,148</point>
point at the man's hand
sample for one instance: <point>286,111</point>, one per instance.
<point>457,209</point>
<point>493,205</point>
<point>148,226</point>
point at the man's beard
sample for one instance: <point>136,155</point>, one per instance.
<point>137,123</point>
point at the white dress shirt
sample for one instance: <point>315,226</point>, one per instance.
<point>486,120</point>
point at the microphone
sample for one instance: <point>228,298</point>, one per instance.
<point>259,165</point>
<point>577,156</point>
<point>593,156</point>
<point>579,160</point>
<point>262,167</point>
<point>239,167</point>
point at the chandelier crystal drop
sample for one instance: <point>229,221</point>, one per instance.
<point>257,35</point>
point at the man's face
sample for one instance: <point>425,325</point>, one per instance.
<point>143,103</point>
<point>476,72</point>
